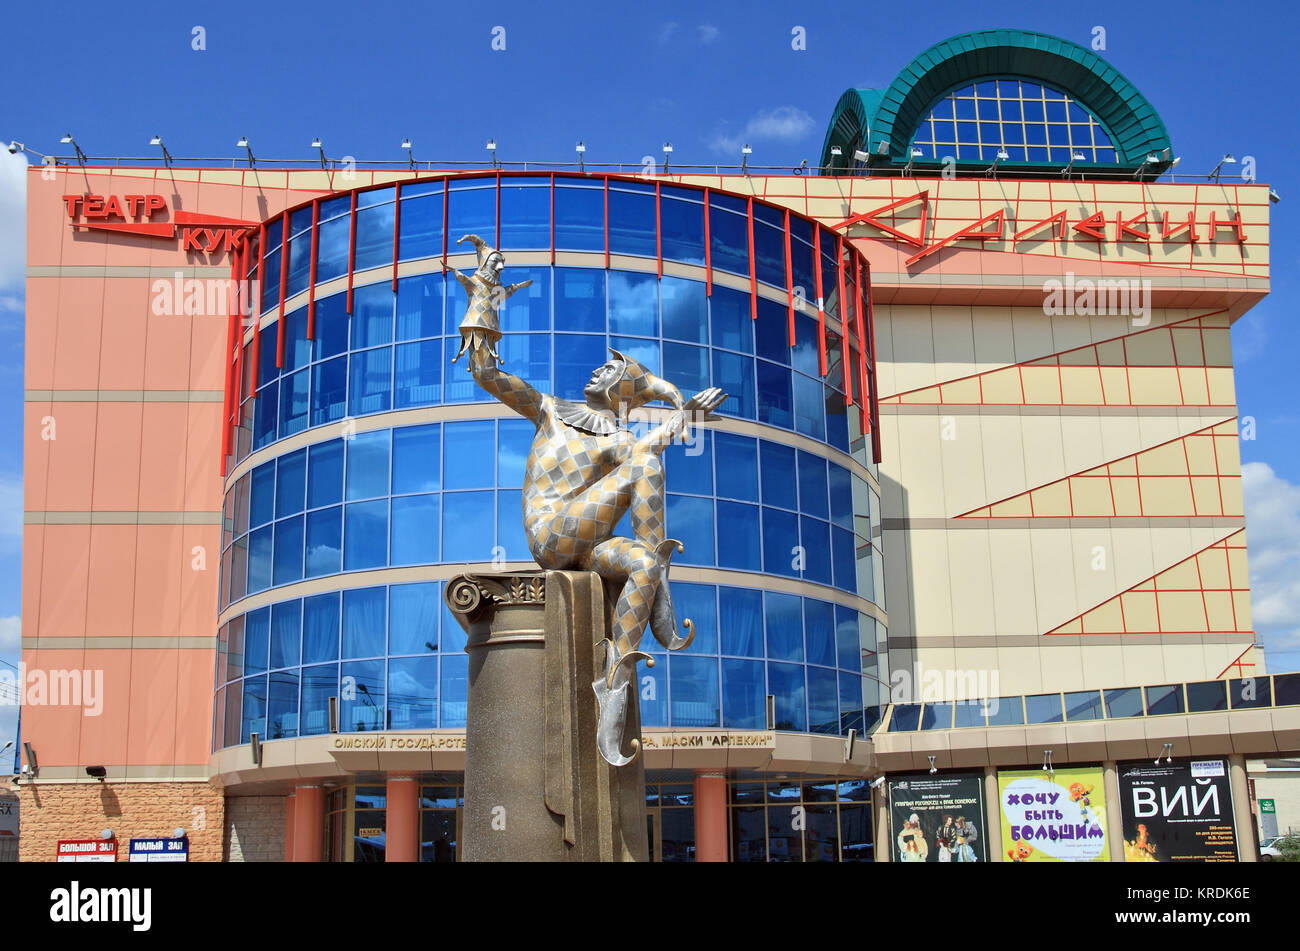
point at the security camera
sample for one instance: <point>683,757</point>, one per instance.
<point>13,148</point>
<point>878,782</point>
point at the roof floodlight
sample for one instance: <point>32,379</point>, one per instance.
<point>1226,160</point>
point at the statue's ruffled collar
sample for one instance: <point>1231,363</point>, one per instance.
<point>583,417</point>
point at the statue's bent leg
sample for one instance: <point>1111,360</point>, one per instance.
<point>622,559</point>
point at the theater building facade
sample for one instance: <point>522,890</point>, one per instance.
<point>980,445</point>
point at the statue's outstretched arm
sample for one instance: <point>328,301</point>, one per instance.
<point>508,388</point>
<point>696,409</point>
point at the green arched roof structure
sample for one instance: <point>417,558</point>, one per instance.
<point>882,122</point>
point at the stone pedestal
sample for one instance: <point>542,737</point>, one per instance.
<point>536,788</point>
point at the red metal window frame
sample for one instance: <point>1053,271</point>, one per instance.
<point>846,356</point>
<point>552,219</point>
<point>872,402</point>
<point>397,228</point>
<point>708,251</point>
<point>606,178</point>
<point>839,276</point>
<point>864,391</point>
<point>821,306</point>
<point>284,287</point>
<point>659,238</point>
<point>311,280</point>
<point>446,201</point>
<point>352,249</point>
<point>231,320</point>
<point>789,279</point>
<point>255,361</point>
<point>753,271</point>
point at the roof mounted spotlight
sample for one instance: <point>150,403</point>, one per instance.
<point>878,781</point>
<point>581,149</point>
<point>1167,752</point>
<point>1074,157</point>
<point>668,150</point>
<point>316,144</point>
<point>1273,196</point>
<point>933,769</point>
<point>992,170</point>
<point>882,147</point>
<point>1151,159</point>
<point>243,144</point>
<point>1226,160</point>
<point>410,153</point>
<point>836,153</point>
<point>911,161</point>
<point>745,152</point>
<point>861,156</point>
<point>491,146</point>
<point>167,156</point>
<point>81,156</point>
<point>16,147</point>
<point>33,768</point>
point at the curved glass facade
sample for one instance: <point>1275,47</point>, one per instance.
<point>789,496</point>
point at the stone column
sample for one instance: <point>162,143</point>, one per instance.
<point>1114,811</point>
<point>710,817</point>
<point>402,830</point>
<point>289,800</point>
<point>883,845</point>
<point>993,815</point>
<point>1247,851</point>
<point>309,824</point>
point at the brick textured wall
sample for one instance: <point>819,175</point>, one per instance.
<point>54,811</point>
<point>255,829</point>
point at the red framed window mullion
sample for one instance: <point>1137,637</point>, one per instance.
<point>311,277</point>
<point>753,269</point>
<point>446,201</point>
<point>844,302</point>
<point>606,222</point>
<point>496,234</point>
<point>789,279</point>
<point>255,361</point>
<point>352,249</point>
<point>846,358</point>
<point>864,392</point>
<point>659,237</point>
<point>397,228</point>
<point>284,287</point>
<point>872,405</point>
<point>552,217</point>
<point>240,290</point>
<point>228,363</point>
<point>708,256</point>
<point>821,305</point>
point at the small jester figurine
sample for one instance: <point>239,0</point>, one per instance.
<point>486,295</point>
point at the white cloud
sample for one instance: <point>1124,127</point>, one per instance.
<point>11,635</point>
<point>1273,532</point>
<point>666,32</point>
<point>707,32</point>
<point>13,211</point>
<point>11,509</point>
<point>783,123</point>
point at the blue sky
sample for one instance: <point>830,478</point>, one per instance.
<point>625,78</point>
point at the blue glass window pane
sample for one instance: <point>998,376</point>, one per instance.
<point>772,331</point>
<point>271,281</point>
<point>332,248</point>
<point>739,546</point>
<point>699,603</point>
<point>472,210</point>
<point>740,621</point>
<point>685,309</point>
<point>514,440</point>
<point>455,690</point>
<point>823,701</point>
<point>361,708</point>
<point>774,403</point>
<point>288,550</point>
<point>419,306</point>
<point>372,316</point>
<point>413,611</point>
<point>728,241</point>
<point>1202,697</point>
<point>576,356</point>
<point>579,218</point>
<point>325,474</point>
<point>259,559</point>
<point>329,390</point>
<point>320,628</point>
<point>282,706</point>
<point>812,485</point>
<point>318,685</point>
<point>804,355</point>
<point>848,652</point>
<point>525,216</point>
<point>694,685</point>
<point>421,226</point>
<point>412,693</point>
<point>780,541</point>
<point>687,367</point>
<point>528,308</point>
<point>264,415</point>
<point>286,634</point>
<point>372,381</point>
<point>778,474</point>
<point>364,622</point>
<point>415,530</point>
<point>837,421</point>
<point>510,525</point>
<point>682,227</point>
<point>299,251</point>
<point>801,261</point>
<point>262,505</point>
<point>784,618</point>
<point>295,395</point>
<point>1043,708</point>
<point>297,348</point>
<point>734,375</point>
<point>469,464</point>
<point>365,535</point>
<point>743,699</point>
<point>368,465</point>
<point>844,559</point>
<point>769,253</point>
<point>1005,711</point>
<point>257,639</point>
<point>415,459</point>
<point>324,542</point>
<point>819,631</point>
<point>375,196</point>
<point>418,374</point>
<point>633,304</point>
<point>1244,692</point>
<point>631,222</point>
<point>580,299</point>
<point>529,357</point>
<point>690,521</point>
<point>467,526</point>
<point>851,703</point>
<point>737,466</point>
<point>841,494</point>
<point>645,352</point>
<point>1083,705</point>
<point>254,718</point>
<point>653,685</point>
<point>689,467</point>
<point>458,385</point>
<point>731,321</point>
<point>785,683</point>
<point>374,236</point>
<point>332,323</point>
<point>1124,702</point>
<point>967,714</point>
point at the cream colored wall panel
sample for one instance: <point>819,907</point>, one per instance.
<point>994,339</point>
<point>1185,662</point>
<point>1120,436</point>
<point>963,464</point>
<point>1081,438</point>
<point>1070,332</point>
<point>1091,498</point>
<point>892,498</point>
<point>913,345</point>
<point>1011,558</point>
<point>929,678</point>
<point>1033,334</point>
<point>1055,597</point>
<point>931,577</point>
<point>1143,664</point>
<point>1002,386</point>
<point>1160,428</point>
<point>885,376</point>
<point>1091,564</point>
<point>1172,544</point>
<point>1132,556</point>
<point>971,582</point>
<point>1182,612</point>
<point>1045,449</point>
<point>898,589</point>
<point>1082,385</point>
<point>954,342</point>
<point>1021,670</point>
<point>1004,456</point>
<point>920,463</point>
<point>1103,666</point>
<point>1061,665</point>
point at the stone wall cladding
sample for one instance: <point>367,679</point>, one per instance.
<point>255,828</point>
<point>53,811</point>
